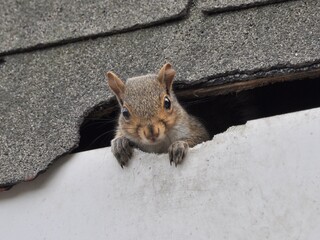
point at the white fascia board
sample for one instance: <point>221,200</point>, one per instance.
<point>256,181</point>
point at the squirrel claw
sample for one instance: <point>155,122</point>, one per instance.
<point>122,150</point>
<point>177,152</point>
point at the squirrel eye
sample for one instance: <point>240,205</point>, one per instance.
<point>167,103</point>
<point>125,113</point>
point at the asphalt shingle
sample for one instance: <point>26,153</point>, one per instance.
<point>216,6</point>
<point>45,94</point>
<point>25,24</point>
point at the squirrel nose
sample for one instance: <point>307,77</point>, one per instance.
<point>152,133</point>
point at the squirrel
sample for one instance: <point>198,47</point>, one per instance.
<point>152,119</point>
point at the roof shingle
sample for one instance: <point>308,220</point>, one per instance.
<point>26,24</point>
<point>45,93</point>
<point>217,6</point>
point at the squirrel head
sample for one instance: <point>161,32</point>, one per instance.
<point>149,108</point>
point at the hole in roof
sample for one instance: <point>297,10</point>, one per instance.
<point>217,113</point>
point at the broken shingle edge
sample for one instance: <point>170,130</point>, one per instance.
<point>236,7</point>
<point>8,185</point>
<point>41,46</point>
<point>237,76</point>
<point>234,81</point>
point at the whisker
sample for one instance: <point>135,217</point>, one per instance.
<point>101,135</point>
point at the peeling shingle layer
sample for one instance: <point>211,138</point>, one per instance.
<point>25,24</point>
<point>44,94</point>
<point>217,6</point>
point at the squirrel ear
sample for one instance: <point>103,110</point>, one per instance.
<point>116,85</point>
<point>166,75</point>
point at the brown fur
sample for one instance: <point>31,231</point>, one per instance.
<point>151,127</point>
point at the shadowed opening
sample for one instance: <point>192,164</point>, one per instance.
<point>218,112</point>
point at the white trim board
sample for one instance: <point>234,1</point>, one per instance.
<point>256,181</point>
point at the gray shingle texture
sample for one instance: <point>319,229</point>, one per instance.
<point>26,24</point>
<point>45,94</point>
<point>215,6</point>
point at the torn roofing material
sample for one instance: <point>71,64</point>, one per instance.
<point>26,24</point>
<point>217,6</point>
<point>45,94</point>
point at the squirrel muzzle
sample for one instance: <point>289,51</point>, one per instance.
<point>151,133</point>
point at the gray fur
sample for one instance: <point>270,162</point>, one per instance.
<point>142,94</point>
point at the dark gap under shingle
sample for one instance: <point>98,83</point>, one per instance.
<point>218,113</point>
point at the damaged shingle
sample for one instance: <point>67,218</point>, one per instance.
<point>45,94</point>
<point>218,6</point>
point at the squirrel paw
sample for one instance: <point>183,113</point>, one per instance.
<point>177,151</point>
<point>122,150</point>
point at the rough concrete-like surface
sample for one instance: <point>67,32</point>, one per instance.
<point>215,6</point>
<point>257,181</point>
<point>44,94</point>
<point>25,24</point>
